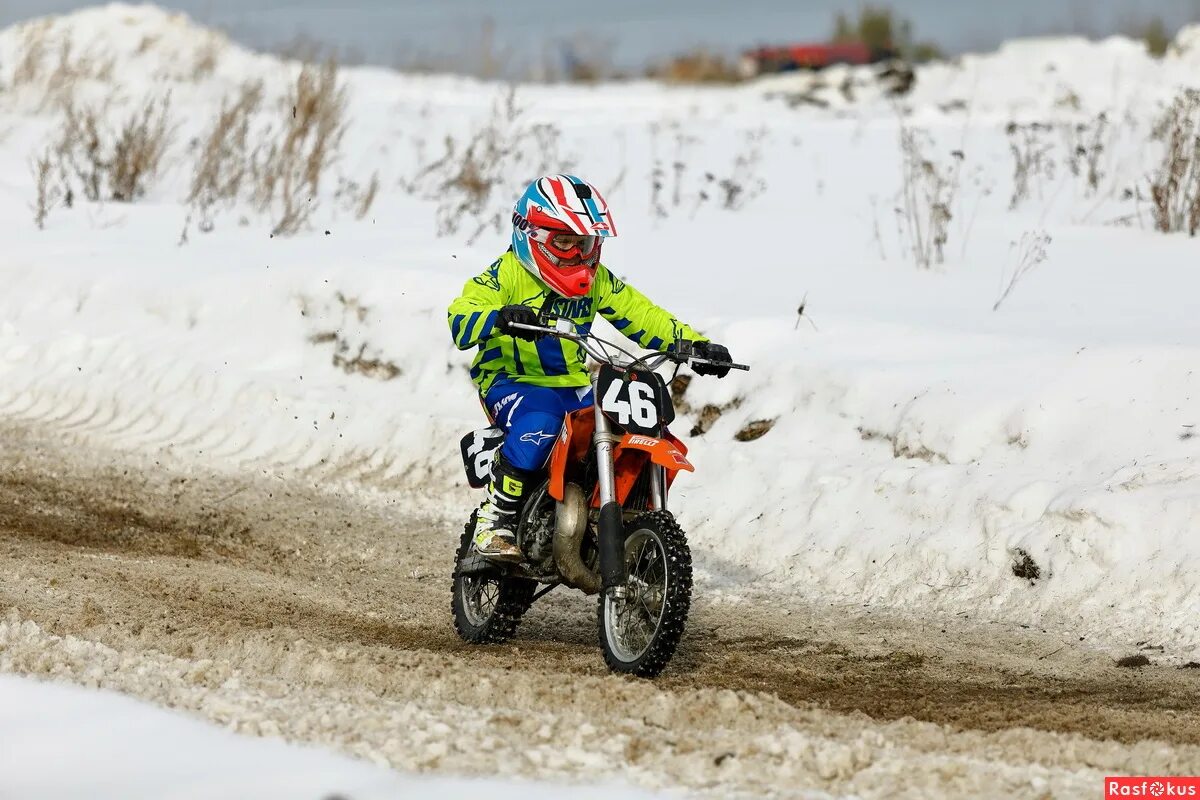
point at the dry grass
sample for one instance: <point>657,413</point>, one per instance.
<point>356,198</point>
<point>225,156</point>
<point>678,181</point>
<point>55,66</point>
<point>1175,184</point>
<point>1028,253</point>
<point>1085,142</point>
<point>47,193</point>
<point>288,172</point>
<point>280,167</point>
<point>34,47</point>
<point>204,62</point>
<point>505,151</point>
<point>114,163</point>
<point>139,149</point>
<point>1032,163</point>
<point>927,194</point>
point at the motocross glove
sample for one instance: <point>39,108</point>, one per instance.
<point>713,352</point>
<point>521,315</point>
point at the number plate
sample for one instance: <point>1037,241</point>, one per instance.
<point>478,448</point>
<point>637,400</point>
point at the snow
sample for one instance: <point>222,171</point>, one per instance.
<point>64,742</point>
<point>923,442</point>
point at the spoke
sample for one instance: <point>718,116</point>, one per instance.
<point>647,631</point>
<point>474,587</point>
<point>641,553</point>
<point>636,618</point>
<point>651,563</point>
<point>650,615</point>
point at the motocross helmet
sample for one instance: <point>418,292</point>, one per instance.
<point>558,226</point>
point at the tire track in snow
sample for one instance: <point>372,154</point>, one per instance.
<point>115,393</point>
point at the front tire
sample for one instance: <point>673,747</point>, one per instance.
<point>487,605</point>
<point>639,632</point>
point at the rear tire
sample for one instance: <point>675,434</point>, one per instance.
<point>639,633</point>
<point>487,606</point>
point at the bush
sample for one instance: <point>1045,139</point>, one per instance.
<point>699,66</point>
<point>1154,34</point>
<point>881,30</point>
<point>1175,185</point>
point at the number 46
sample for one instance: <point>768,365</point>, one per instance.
<point>639,407</point>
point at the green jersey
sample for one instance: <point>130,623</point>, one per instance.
<point>550,361</point>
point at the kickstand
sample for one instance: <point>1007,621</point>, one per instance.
<point>544,592</point>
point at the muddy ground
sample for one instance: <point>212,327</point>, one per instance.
<point>282,608</point>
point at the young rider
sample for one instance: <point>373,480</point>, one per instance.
<point>528,382</point>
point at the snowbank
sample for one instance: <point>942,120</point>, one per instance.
<point>64,742</point>
<point>1035,464</point>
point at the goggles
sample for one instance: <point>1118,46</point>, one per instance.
<point>565,245</point>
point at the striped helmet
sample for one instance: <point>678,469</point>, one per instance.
<point>558,226</point>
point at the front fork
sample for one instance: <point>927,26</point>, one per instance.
<point>611,526</point>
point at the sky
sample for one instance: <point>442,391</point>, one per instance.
<point>630,33</point>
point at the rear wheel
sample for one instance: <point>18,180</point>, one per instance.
<point>487,604</point>
<point>641,626</point>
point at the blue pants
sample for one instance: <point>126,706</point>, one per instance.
<point>531,418</point>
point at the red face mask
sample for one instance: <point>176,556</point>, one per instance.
<point>566,260</point>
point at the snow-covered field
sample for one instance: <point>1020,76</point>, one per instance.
<point>925,445</point>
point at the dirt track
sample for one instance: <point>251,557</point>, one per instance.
<point>279,608</point>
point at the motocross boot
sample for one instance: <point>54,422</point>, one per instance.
<point>496,529</point>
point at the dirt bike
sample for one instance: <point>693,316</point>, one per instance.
<point>599,522</point>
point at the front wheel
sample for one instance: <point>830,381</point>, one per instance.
<point>641,626</point>
<point>487,604</point>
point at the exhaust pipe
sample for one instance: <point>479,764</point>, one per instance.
<point>570,524</point>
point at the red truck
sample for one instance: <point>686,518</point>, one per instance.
<point>788,58</point>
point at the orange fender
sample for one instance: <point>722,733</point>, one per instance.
<point>662,451</point>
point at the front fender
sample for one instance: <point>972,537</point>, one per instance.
<point>662,451</point>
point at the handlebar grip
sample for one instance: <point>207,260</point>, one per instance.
<point>730,364</point>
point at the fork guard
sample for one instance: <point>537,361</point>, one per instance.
<point>612,545</point>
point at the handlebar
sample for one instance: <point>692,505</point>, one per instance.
<point>565,329</point>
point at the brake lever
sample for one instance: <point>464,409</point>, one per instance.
<point>563,328</point>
